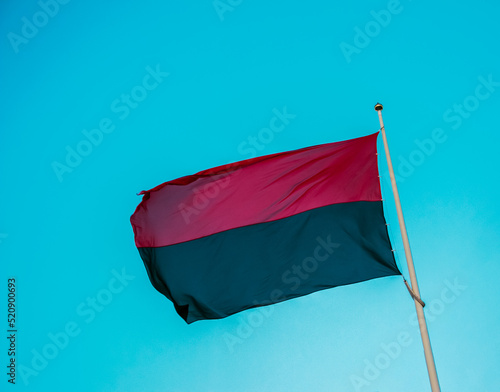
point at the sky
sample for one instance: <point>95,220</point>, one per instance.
<point>102,100</point>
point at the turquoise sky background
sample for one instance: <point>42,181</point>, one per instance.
<point>88,318</point>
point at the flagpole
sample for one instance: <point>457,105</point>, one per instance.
<point>429,358</point>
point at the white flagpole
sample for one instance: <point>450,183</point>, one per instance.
<point>429,358</point>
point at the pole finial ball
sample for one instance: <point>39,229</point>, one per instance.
<point>378,107</point>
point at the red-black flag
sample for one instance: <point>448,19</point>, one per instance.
<point>266,229</point>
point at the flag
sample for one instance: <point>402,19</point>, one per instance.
<point>266,229</point>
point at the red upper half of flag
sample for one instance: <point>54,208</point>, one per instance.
<point>257,190</point>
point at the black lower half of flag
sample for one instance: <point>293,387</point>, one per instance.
<point>260,264</point>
